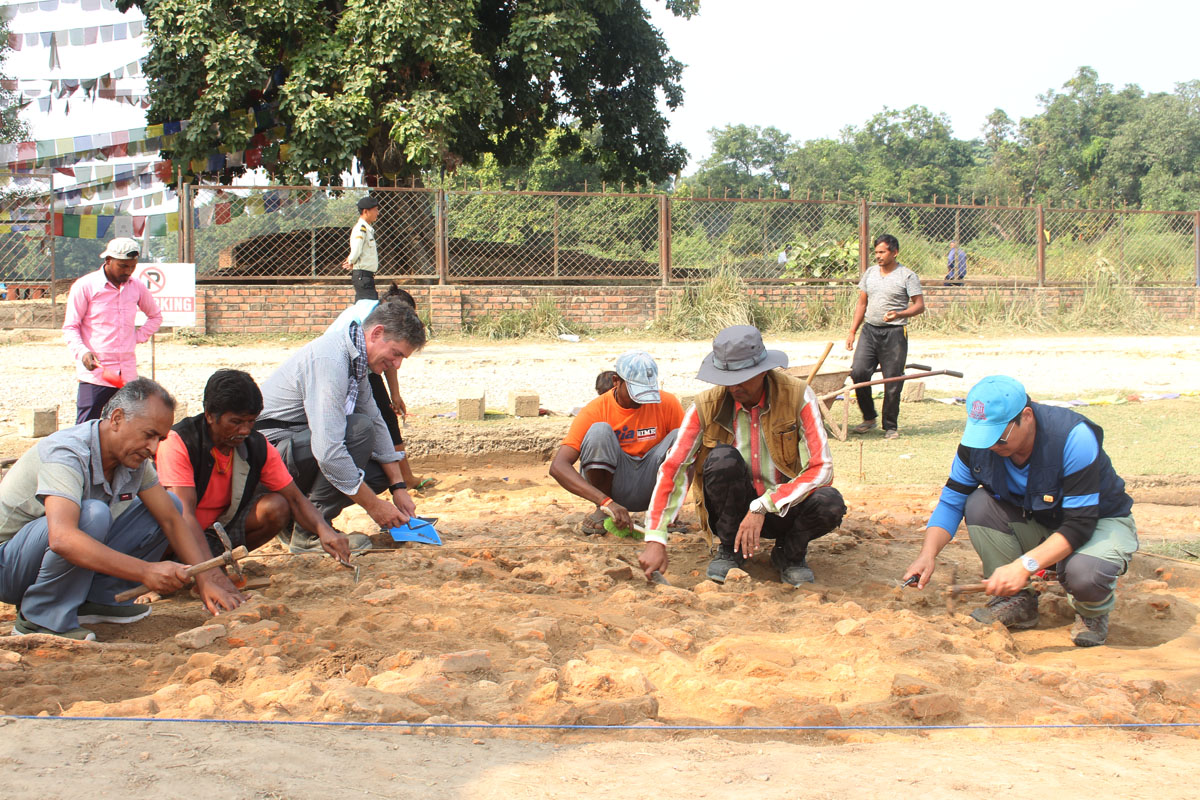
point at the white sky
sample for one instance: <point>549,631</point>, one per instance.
<point>807,68</point>
<point>810,68</point>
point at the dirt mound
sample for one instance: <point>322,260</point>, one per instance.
<point>520,619</point>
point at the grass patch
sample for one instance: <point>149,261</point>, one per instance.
<point>1183,549</point>
<point>1154,438</point>
<point>191,336</point>
<point>707,306</point>
<point>544,319</point>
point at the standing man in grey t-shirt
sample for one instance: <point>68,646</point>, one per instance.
<point>888,295</point>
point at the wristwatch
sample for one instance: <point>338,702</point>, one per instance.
<point>397,486</point>
<point>1030,564</point>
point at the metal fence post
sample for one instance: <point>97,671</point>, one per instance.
<point>556,237</point>
<point>441,241</point>
<point>1196,245</point>
<point>864,231</point>
<point>1041,245</point>
<point>664,239</point>
<point>53,274</point>
<point>188,198</point>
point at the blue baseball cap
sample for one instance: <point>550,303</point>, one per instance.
<point>991,404</point>
<point>640,374</point>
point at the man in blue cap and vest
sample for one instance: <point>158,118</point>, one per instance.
<point>1036,490</point>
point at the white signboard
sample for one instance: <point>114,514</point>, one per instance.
<point>174,287</point>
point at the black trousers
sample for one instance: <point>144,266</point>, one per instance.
<point>384,401</point>
<point>886,347</point>
<point>90,401</point>
<point>363,281</point>
<point>728,491</point>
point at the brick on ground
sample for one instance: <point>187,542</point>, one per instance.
<point>523,404</point>
<point>471,404</point>
<point>36,422</point>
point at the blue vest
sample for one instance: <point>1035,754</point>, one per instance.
<point>1043,491</point>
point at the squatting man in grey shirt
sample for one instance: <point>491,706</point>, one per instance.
<point>83,517</point>
<point>319,413</point>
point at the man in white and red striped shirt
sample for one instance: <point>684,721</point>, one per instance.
<point>764,470</point>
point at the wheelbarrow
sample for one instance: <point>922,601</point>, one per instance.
<point>829,386</point>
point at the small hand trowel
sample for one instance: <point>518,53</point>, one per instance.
<point>416,530</point>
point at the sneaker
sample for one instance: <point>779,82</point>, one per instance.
<point>891,434</point>
<point>864,426</point>
<point>23,627</point>
<point>725,560</point>
<point>1089,631</point>
<point>304,542</point>
<point>793,574</point>
<point>1018,613</point>
<point>91,613</point>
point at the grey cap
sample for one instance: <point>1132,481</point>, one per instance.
<point>370,201</point>
<point>738,355</point>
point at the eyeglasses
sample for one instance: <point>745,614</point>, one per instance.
<point>1004,436</point>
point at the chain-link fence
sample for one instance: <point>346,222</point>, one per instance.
<point>521,235</point>
<point>27,264</point>
<point>293,233</point>
<point>1129,246</point>
<point>765,239</point>
<point>429,234</point>
<point>998,242</point>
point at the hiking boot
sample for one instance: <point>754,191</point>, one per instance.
<point>1089,631</point>
<point>794,573</point>
<point>891,434</point>
<point>91,613</point>
<point>864,426</point>
<point>725,560</point>
<point>23,627</point>
<point>1017,613</point>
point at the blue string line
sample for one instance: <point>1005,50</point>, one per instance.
<point>559,727</point>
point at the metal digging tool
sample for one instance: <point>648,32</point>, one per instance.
<point>240,579</point>
<point>226,559</point>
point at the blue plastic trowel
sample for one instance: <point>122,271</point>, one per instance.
<point>416,530</point>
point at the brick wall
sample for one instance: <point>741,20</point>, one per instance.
<point>305,309</point>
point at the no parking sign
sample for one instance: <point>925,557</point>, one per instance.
<point>174,287</point>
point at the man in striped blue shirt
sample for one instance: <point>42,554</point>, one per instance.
<point>1036,489</point>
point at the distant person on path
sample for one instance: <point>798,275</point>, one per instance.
<point>318,410</point>
<point>762,463</point>
<point>3,291</point>
<point>363,261</point>
<point>956,265</point>
<point>1036,490</point>
<point>222,470</point>
<point>889,293</point>
<point>387,396</point>
<point>620,438</point>
<point>99,327</point>
<point>83,517</point>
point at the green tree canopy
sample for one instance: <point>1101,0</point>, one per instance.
<point>12,128</point>
<point>406,85</point>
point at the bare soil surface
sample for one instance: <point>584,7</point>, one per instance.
<point>518,618</point>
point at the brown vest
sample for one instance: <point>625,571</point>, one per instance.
<point>781,421</point>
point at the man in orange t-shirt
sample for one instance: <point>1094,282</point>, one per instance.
<point>621,439</point>
<point>222,470</point>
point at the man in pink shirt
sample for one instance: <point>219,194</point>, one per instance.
<point>99,327</point>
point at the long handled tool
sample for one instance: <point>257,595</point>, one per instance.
<point>228,558</point>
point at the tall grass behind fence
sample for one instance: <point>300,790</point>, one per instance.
<point>551,235</point>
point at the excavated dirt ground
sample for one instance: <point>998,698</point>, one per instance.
<point>520,619</point>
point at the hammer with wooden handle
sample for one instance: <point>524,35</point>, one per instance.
<point>227,558</point>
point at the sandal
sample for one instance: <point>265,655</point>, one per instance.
<point>593,524</point>
<point>864,426</point>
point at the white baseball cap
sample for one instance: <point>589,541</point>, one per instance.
<point>121,247</point>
